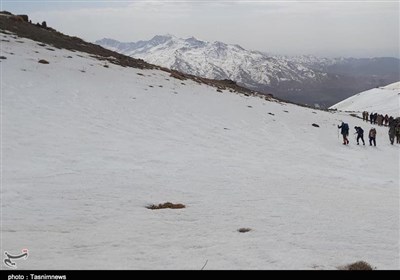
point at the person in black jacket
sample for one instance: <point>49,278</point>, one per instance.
<point>392,133</point>
<point>360,134</point>
<point>344,131</point>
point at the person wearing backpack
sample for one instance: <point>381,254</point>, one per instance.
<point>345,132</point>
<point>360,134</point>
<point>372,136</point>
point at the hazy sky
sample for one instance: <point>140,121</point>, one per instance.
<point>323,28</point>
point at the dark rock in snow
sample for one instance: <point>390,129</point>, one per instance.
<point>43,61</point>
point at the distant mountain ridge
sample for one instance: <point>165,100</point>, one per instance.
<point>217,60</point>
<point>303,79</point>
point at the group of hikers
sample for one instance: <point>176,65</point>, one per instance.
<point>375,118</point>
<point>360,134</point>
<point>394,131</point>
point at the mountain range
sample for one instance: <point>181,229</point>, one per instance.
<point>304,79</point>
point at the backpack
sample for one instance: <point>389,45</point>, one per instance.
<point>360,130</point>
<point>345,127</point>
<point>372,132</point>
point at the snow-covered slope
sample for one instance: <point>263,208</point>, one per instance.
<point>85,148</point>
<point>217,60</point>
<point>383,100</point>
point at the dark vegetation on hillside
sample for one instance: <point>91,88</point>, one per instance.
<point>360,265</point>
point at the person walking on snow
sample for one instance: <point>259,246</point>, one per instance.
<point>360,134</point>
<point>345,132</point>
<point>391,134</point>
<point>372,136</point>
<point>397,132</point>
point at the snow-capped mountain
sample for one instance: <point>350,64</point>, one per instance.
<point>303,79</point>
<point>382,100</point>
<point>216,60</point>
<point>90,138</point>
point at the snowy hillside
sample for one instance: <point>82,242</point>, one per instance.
<point>383,100</point>
<point>87,145</point>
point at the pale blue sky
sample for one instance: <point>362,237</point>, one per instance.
<point>324,28</point>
